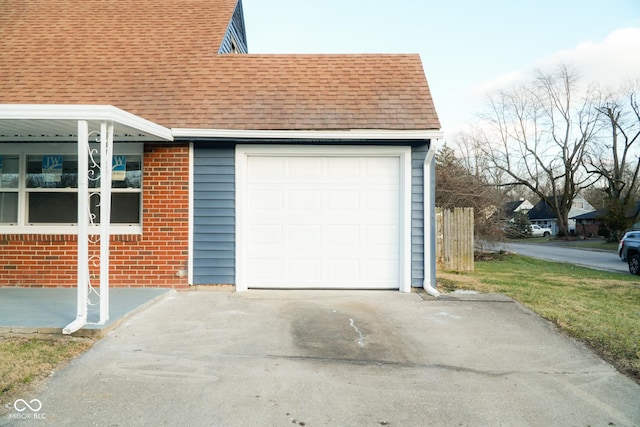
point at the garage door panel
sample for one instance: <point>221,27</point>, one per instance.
<point>266,270</point>
<point>380,271</point>
<point>266,235</point>
<point>304,169</point>
<point>381,200</point>
<point>382,170</point>
<point>304,235</point>
<point>385,235</point>
<point>340,200</point>
<point>265,169</point>
<point>342,236</point>
<point>304,200</point>
<point>307,270</point>
<point>263,199</point>
<point>343,270</point>
<point>340,169</point>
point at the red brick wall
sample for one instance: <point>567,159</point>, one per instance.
<point>157,258</point>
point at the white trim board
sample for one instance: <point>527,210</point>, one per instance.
<point>349,134</point>
<point>34,122</point>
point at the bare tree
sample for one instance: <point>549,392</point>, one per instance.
<point>537,135</point>
<point>472,157</point>
<point>457,186</point>
<point>617,163</point>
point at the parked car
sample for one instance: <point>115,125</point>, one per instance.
<point>629,235</point>
<point>537,231</point>
<point>629,250</point>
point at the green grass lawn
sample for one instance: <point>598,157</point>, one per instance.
<point>599,308</point>
<point>593,244</point>
<point>24,360</point>
<point>599,244</point>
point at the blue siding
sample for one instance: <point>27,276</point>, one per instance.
<point>214,215</point>
<point>236,34</point>
<point>418,154</point>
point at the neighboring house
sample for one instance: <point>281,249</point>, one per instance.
<point>542,214</point>
<point>521,205</point>
<point>288,171</point>
<point>588,224</point>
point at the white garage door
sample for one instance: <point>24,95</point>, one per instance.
<point>322,221</point>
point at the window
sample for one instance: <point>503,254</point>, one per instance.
<point>51,193</point>
<point>579,205</point>
<point>9,179</point>
<point>39,188</point>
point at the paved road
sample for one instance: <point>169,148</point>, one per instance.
<point>336,358</point>
<point>600,260</point>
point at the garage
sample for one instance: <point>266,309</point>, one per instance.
<point>330,217</point>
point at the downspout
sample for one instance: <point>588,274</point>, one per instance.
<point>429,201</point>
<point>83,230</point>
<point>191,216</point>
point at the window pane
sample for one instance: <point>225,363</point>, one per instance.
<point>9,169</point>
<point>133,174</point>
<point>8,207</point>
<point>52,171</point>
<point>125,208</point>
<point>127,172</point>
<point>51,207</point>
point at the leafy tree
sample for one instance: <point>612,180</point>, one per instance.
<point>520,227</point>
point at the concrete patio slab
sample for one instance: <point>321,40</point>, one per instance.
<point>48,310</point>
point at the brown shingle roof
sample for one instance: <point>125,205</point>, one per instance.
<point>313,92</point>
<point>134,31</point>
<point>158,59</point>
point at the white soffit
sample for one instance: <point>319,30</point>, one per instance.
<point>352,134</point>
<point>50,122</point>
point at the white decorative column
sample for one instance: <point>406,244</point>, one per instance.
<point>106,168</point>
<point>87,229</point>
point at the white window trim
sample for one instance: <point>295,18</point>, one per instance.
<point>243,152</point>
<point>24,150</point>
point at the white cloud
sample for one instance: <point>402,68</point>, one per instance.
<point>610,62</point>
<point>502,81</point>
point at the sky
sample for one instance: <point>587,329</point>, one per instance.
<point>468,47</point>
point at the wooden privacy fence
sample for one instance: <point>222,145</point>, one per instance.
<point>454,239</point>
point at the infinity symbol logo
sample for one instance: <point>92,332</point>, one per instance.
<point>21,405</point>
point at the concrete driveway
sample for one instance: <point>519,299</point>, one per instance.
<point>313,358</point>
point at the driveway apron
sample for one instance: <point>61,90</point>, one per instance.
<point>313,358</point>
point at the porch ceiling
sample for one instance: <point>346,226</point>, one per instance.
<point>59,123</point>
